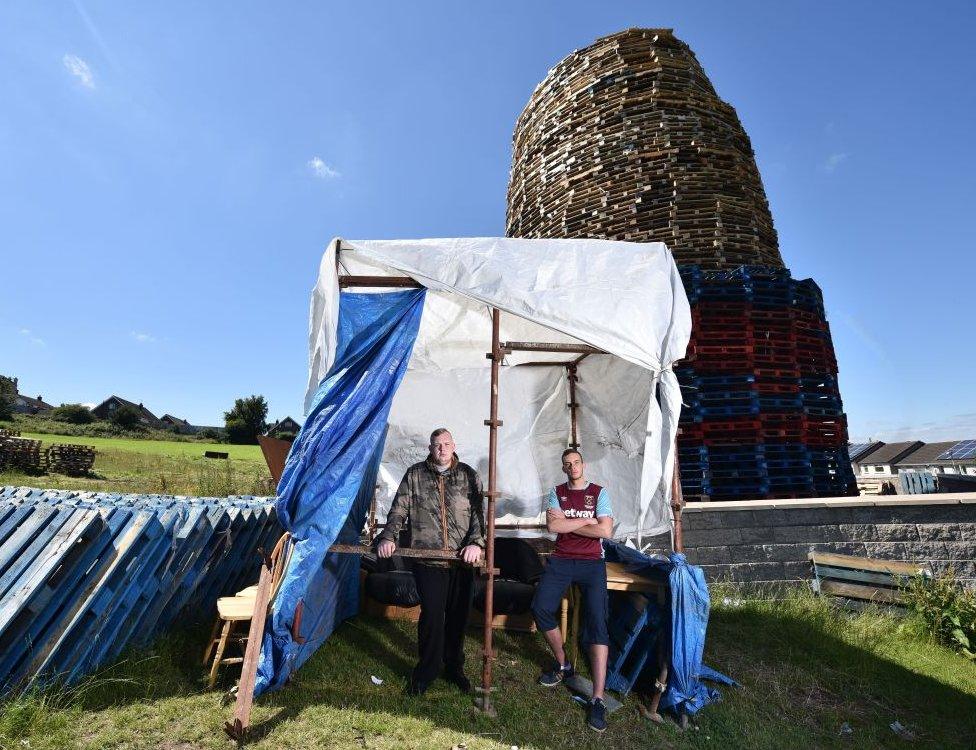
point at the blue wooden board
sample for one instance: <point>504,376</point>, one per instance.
<point>84,574</point>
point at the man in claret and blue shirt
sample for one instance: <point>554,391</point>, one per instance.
<point>579,514</point>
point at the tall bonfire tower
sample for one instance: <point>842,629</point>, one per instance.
<point>627,140</point>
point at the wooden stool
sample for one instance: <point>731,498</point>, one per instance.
<point>240,608</point>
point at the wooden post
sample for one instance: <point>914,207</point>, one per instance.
<point>237,728</point>
<point>493,424</point>
<point>677,501</point>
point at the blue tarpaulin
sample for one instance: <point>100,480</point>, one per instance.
<point>328,479</point>
<point>686,693</point>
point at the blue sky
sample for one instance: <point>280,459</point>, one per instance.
<point>170,174</point>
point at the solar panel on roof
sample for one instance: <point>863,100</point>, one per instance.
<point>961,450</point>
<point>855,450</point>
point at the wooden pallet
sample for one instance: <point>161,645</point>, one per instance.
<point>84,574</point>
<point>861,578</point>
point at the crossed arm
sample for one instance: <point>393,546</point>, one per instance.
<point>597,528</point>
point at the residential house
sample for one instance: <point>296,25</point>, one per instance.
<point>875,466</point>
<point>181,426</point>
<point>109,406</point>
<point>287,424</point>
<point>859,452</point>
<point>949,457</point>
<point>27,405</point>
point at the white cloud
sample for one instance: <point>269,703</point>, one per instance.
<point>29,335</point>
<point>833,161</point>
<point>143,338</point>
<point>80,70</point>
<point>321,169</point>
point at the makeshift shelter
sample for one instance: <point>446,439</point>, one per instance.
<point>580,337</point>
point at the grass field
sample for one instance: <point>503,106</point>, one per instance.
<point>805,667</point>
<point>157,466</point>
<point>153,447</point>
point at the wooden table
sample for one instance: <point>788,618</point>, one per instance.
<point>618,579</point>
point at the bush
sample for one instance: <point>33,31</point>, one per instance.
<point>72,413</point>
<point>126,418</point>
<point>947,609</point>
<point>240,433</point>
<point>209,433</point>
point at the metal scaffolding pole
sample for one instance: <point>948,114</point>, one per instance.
<point>493,423</point>
<point>677,502</point>
<point>573,406</point>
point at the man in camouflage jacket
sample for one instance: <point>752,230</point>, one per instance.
<point>440,500</point>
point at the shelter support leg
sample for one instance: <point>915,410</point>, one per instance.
<point>493,424</point>
<point>677,502</point>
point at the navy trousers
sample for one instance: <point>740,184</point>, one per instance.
<point>591,577</point>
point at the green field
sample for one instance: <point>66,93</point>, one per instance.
<point>153,447</point>
<point>157,466</point>
<point>806,669</point>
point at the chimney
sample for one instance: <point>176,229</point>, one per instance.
<point>40,398</point>
<point>140,404</point>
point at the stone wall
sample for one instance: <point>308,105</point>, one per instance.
<point>765,541</point>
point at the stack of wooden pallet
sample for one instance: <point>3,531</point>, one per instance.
<point>627,140</point>
<point>21,454</point>
<point>9,432</point>
<point>73,460</point>
<point>84,574</point>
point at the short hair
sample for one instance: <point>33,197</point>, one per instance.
<point>571,450</point>
<point>438,432</point>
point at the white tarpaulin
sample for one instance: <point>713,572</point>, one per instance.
<point>624,298</point>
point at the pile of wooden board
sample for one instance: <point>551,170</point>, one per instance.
<point>6,432</point>
<point>85,574</point>
<point>21,454</point>
<point>70,459</point>
<point>627,140</point>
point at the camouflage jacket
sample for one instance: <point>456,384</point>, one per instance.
<point>428,501</point>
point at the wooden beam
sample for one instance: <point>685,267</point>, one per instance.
<point>238,726</point>
<point>537,346</point>
<point>854,591</point>
<point>899,567</point>
<point>395,282</point>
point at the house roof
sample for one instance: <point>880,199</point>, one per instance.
<point>34,402</point>
<point>286,424</point>
<point>860,451</point>
<point>138,407</point>
<point>175,420</point>
<point>891,453</point>
<point>928,454</point>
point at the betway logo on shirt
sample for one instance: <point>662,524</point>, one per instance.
<point>574,513</point>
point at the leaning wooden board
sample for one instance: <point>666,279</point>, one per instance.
<point>84,574</point>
